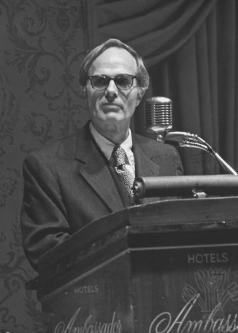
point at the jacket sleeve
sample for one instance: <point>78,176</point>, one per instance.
<point>43,216</point>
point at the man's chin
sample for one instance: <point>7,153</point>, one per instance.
<point>111,118</point>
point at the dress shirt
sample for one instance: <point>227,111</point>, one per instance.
<point>106,146</point>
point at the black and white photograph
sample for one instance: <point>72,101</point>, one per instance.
<point>118,166</point>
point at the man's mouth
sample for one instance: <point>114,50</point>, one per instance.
<point>110,107</point>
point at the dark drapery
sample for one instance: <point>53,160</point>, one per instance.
<point>155,28</point>
<point>190,49</point>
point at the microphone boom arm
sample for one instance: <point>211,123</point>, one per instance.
<point>189,140</point>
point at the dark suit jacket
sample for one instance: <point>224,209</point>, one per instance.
<point>69,184</point>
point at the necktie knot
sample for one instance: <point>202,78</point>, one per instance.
<point>119,157</point>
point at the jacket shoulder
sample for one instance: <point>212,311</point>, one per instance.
<point>150,145</point>
<point>62,148</point>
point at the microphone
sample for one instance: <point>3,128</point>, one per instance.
<point>159,121</point>
<point>158,114</point>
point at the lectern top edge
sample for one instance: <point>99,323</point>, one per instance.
<point>219,212</point>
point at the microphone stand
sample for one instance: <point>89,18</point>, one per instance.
<point>189,140</point>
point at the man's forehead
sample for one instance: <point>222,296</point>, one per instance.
<point>112,57</point>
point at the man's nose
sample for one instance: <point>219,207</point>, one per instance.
<point>111,91</point>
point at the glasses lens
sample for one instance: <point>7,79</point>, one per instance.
<point>99,82</point>
<point>123,81</point>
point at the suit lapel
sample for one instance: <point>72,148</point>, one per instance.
<point>93,168</point>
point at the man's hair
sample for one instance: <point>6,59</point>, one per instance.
<point>141,75</point>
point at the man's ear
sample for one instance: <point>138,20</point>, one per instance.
<point>140,94</point>
<point>83,90</point>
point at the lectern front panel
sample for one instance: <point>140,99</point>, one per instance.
<point>97,301</point>
<point>190,289</point>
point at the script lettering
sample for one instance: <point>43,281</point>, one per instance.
<point>89,325</point>
<point>164,323</point>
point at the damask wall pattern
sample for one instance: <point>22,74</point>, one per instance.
<point>41,46</point>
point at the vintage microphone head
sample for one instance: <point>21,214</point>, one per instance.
<point>158,114</point>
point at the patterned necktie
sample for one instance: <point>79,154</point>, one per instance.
<point>123,169</point>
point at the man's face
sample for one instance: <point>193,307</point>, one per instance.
<point>112,104</point>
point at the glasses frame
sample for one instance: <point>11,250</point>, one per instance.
<point>109,78</point>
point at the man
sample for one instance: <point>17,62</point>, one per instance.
<point>78,179</point>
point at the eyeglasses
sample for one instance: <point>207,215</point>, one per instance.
<point>122,81</point>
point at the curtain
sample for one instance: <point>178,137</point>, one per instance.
<point>190,50</point>
<point>155,28</point>
<point>201,79</point>
<point>227,22</point>
<point>190,78</point>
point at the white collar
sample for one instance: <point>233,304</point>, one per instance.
<point>107,146</point>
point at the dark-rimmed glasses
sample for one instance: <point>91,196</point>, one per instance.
<point>122,81</point>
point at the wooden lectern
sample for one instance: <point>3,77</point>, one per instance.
<point>165,267</point>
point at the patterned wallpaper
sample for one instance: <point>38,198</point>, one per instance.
<point>42,44</point>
